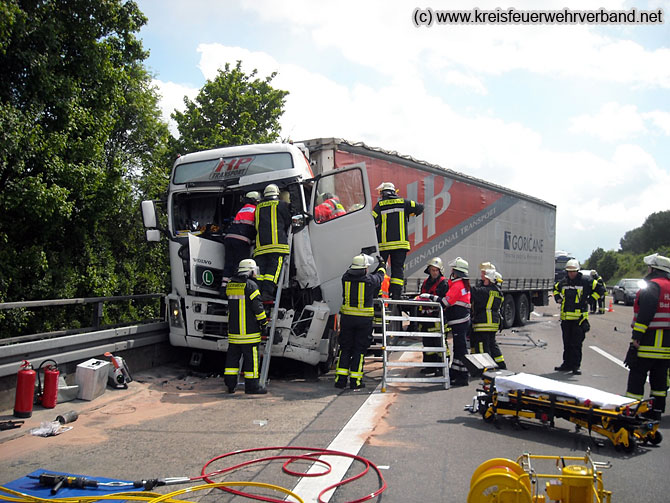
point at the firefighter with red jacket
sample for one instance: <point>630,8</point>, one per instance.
<point>649,351</point>
<point>246,319</point>
<point>573,293</point>
<point>359,288</point>
<point>241,233</point>
<point>391,215</point>
<point>272,220</point>
<point>329,208</point>
<point>434,287</point>
<point>457,313</point>
<point>487,299</point>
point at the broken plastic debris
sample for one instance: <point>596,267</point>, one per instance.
<point>261,422</point>
<point>49,429</point>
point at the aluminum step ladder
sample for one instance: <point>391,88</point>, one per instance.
<point>267,354</point>
<point>394,339</point>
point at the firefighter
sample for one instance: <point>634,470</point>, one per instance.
<point>241,233</point>
<point>573,293</point>
<point>649,351</point>
<point>433,288</point>
<point>495,349</point>
<point>601,301</point>
<point>272,221</point>
<point>359,287</point>
<point>487,300</point>
<point>391,214</point>
<point>457,313</point>
<point>246,320</point>
<point>329,208</point>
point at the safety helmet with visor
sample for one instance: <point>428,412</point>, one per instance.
<point>271,191</point>
<point>459,265</point>
<point>572,265</point>
<point>657,261</point>
<point>247,265</point>
<point>434,262</point>
<point>359,262</point>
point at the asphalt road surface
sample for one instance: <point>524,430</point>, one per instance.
<point>171,422</point>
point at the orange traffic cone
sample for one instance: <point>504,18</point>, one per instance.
<point>610,308</point>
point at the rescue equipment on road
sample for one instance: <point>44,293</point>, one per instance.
<point>25,390</point>
<point>119,375</point>
<point>619,418</point>
<point>48,393</point>
<point>501,479</point>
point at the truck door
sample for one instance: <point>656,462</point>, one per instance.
<point>341,226</point>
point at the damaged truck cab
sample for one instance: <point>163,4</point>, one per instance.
<point>205,192</point>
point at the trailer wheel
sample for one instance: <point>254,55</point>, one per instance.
<point>522,310</point>
<point>325,367</point>
<point>508,310</point>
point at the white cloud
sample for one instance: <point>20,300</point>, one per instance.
<point>614,122</point>
<point>172,97</point>
<point>660,120</point>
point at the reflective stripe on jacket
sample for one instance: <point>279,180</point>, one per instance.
<point>651,318</point>
<point>245,311</point>
<point>574,294</point>
<point>457,302</point>
<point>272,219</point>
<point>391,217</point>
<point>244,225</point>
<point>359,290</point>
<point>486,303</point>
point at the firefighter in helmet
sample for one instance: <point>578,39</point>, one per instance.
<point>246,320</point>
<point>457,313</point>
<point>649,351</point>
<point>391,215</point>
<point>241,233</point>
<point>359,288</point>
<point>573,293</point>
<point>272,221</point>
<point>487,299</point>
<point>433,288</point>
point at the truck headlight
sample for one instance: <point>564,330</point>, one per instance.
<point>175,314</point>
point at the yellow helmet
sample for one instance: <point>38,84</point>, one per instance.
<point>359,262</point>
<point>271,191</point>
<point>435,262</point>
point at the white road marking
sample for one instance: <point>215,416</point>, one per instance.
<point>608,356</point>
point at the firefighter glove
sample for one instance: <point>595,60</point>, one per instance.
<point>631,356</point>
<point>584,323</point>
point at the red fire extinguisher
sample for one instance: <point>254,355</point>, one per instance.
<point>49,393</point>
<point>25,390</point>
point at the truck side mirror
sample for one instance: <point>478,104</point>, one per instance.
<point>149,215</point>
<point>153,235</point>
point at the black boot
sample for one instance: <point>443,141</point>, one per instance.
<point>255,391</point>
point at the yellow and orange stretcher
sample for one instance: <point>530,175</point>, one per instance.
<point>529,396</point>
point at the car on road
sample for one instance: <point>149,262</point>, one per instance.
<point>626,289</point>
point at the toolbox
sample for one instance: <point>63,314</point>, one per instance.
<point>91,377</point>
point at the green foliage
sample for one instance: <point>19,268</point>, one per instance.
<point>79,131</point>
<point>653,234</point>
<point>232,109</point>
<point>615,265</point>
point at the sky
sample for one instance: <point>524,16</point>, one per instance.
<point>574,114</point>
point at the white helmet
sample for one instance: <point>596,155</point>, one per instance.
<point>459,264</point>
<point>271,191</point>
<point>572,265</point>
<point>359,262</point>
<point>435,262</point>
<point>490,274</point>
<point>657,261</point>
<point>386,186</point>
<point>486,265</point>
<point>253,195</point>
<point>499,278</point>
<point>247,265</point>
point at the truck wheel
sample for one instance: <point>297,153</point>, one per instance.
<point>522,310</point>
<point>325,367</point>
<point>508,310</point>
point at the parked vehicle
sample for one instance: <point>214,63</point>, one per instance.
<point>626,290</point>
<point>463,216</point>
<point>560,259</point>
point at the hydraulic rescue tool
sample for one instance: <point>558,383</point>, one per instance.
<point>619,418</point>
<point>504,480</point>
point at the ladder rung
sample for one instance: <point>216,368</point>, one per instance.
<point>410,349</point>
<point>398,364</point>
<point>396,333</point>
<point>418,379</point>
<point>411,318</point>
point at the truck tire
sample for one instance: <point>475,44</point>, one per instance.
<point>522,310</point>
<point>333,346</point>
<point>508,311</point>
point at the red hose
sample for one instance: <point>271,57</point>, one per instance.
<point>311,455</point>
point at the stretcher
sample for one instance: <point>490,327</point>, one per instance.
<point>527,396</point>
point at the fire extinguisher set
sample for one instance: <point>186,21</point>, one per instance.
<point>47,394</point>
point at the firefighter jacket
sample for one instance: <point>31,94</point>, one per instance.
<point>272,219</point>
<point>435,287</point>
<point>245,310</point>
<point>391,215</point>
<point>651,317</point>
<point>244,225</point>
<point>358,291</point>
<point>574,294</point>
<point>457,302</point>
<point>329,209</point>
<point>486,303</point>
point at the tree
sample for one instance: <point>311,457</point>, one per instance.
<point>79,122</point>
<point>653,234</point>
<point>232,109</point>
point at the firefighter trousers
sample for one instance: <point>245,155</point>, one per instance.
<point>250,366</point>
<point>573,338</point>
<point>355,334</point>
<point>485,342</point>
<point>236,251</point>
<point>658,380</point>
<point>397,271</point>
<point>458,371</point>
<point>269,268</point>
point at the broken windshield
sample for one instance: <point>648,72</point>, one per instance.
<point>224,168</point>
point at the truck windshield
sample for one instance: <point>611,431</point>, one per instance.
<point>223,168</point>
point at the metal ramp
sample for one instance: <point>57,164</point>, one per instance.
<point>519,339</point>
<point>396,340</point>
